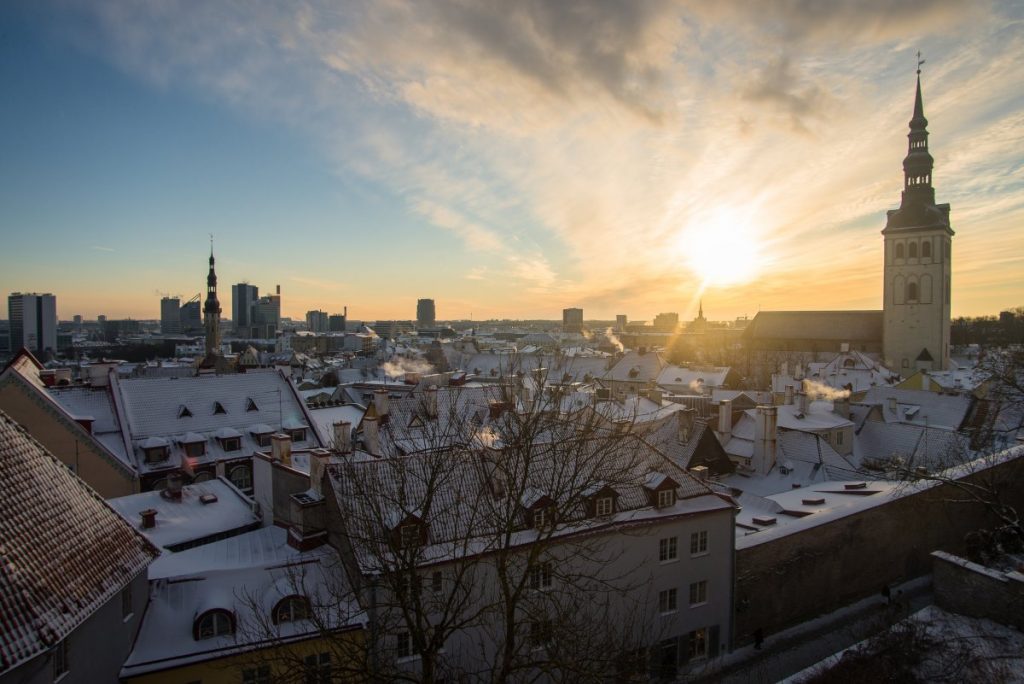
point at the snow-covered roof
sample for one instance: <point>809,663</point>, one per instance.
<point>64,551</point>
<point>325,418</point>
<point>636,367</point>
<point>166,639</point>
<point>189,520</point>
<point>920,407</point>
<point>679,379</point>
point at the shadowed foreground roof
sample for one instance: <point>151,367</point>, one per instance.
<point>63,551</point>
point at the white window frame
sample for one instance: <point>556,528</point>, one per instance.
<point>698,593</point>
<point>666,497</point>
<point>698,644</point>
<point>542,518</point>
<point>540,576</point>
<point>668,550</point>
<point>604,506</point>
<point>668,601</point>
<point>699,543</point>
<point>405,646</point>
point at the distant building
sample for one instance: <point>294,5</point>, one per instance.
<point>317,321</point>
<point>338,322</point>
<point>267,316</point>
<point>77,318</point>
<point>243,302</point>
<point>620,322</point>
<point>191,317</point>
<point>211,314</point>
<point>392,329</point>
<point>170,316</point>
<point>33,322</point>
<point>572,320</point>
<point>666,322</point>
<point>426,316</point>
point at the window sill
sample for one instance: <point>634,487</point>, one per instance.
<point>128,617</point>
<point>404,660</point>
<point>698,605</point>
<point>669,612</point>
<point>699,555</point>
<point>61,677</point>
<point>669,561</point>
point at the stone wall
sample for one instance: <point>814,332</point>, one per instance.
<point>816,570</point>
<point>967,588</point>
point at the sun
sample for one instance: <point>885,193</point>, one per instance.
<point>722,247</point>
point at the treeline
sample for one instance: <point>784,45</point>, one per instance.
<point>989,331</point>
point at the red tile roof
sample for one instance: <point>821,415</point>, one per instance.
<point>63,551</point>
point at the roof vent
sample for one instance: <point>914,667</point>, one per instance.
<point>814,502</point>
<point>764,520</point>
<point>206,499</point>
<point>856,485</point>
<point>148,518</point>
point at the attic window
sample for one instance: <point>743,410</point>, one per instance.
<point>231,443</point>
<point>297,434</point>
<point>409,536</point>
<point>543,518</point>
<point>604,506</point>
<point>156,454</point>
<point>183,412</point>
<point>666,497</point>
<point>218,408</point>
<point>290,609</point>
<point>195,449</point>
<point>213,623</point>
<point>250,405</point>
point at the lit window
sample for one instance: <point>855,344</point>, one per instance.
<point>699,643</point>
<point>667,601</point>
<point>214,623</point>
<point>603,506</point>
<point>698,542</point>
<point>405,646</point>
<point>318,668</point>
<point>666,497</point>
<point>540,576</point>
<point>291,609</point>
<point>699,593</point>
<point>667,549</point>
<point>60,660</point>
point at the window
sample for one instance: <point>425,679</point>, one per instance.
<point>666,497</point>
<point>231,444</point>
<point>298,434</point>
<point>156,454</point>
<point>256,675</point>
<point>542,518</point>
<point>263,439</point>
<point>603,506</point>
<point>899,250</point>
<point>195,449</point>
<point>911,292</point>
<point>183,412</point>
<point>926,250</point>
<point>241,477</point>
<point>60,660</point>
<point>218,408</point>
<point>540,633</point>
<point>699,643</point>
<point>250,405</point>
<point>698,542</point>
<point>202,476</point>
<point>214,623</point>
<point>699,593</point>
<point>405,646</point>
<point>540,576</point>
<point>126,602</point>
<point>839,438</point>
<point>409,536</point>
<point>291,609</point>
<point>667,601</point>
<point>912,250</point>
<point>667,549</point>
<point>318,668</point>
<point>437,582</point>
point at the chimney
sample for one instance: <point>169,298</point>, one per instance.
<point>174,484</point>
<point>892,404</point>
<point>700,472</point>
<point>789,395</point>
<point>430,401</point>
<point>725,419</point>
<point>785,369</point>
<point>343,436</point>
<point>380,402</point>
<point>685,419</point>
<point>148,518</point>
<point>764,439</point>
<point>842,406</point>
<point>496,408</point>
<point>655,395</point>
<point>371,436</point>
<point>803,403</point>
<point>281,448</point>
<point>526,398</point>
<point>799,373</point>
<point>317,467</point>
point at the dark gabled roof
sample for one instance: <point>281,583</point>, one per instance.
<point>64,551</point>
<point>840,326</point>
<point>924,355</point>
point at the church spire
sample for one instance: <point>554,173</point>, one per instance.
<point>211,310</point>
<point>917,166</point>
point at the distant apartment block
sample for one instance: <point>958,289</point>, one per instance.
<point>572,320</point>
<point>243,301</point>
<point>426,316</point>
<point>170,315</point>
<point>33,322</point>
<point>317,321</point>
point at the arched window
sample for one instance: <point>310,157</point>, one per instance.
<point>912,250</point>
<point>899,250</point>
<point>202,476</point>
<point>290,609</point>
<point>911,292</point>
<point>214,623</point>
<point>926,250</point>
<point>848,363</point>
<point>241,476</point>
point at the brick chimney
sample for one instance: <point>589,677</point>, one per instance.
<point>725,419</point>
<point>380,402</point>
<point>766,420</point>
<point>174,485</point>
<point>430,401</point>
<point>343,437</point>
<point>281,448</point>
<point>371,436</point>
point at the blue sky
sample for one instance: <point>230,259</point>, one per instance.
<point>506,159</point>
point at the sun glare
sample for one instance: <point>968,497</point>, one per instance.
<point>722,247</point>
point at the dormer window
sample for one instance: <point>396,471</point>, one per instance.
<point>195,449</point>
<point>409,533</point>
<point>263,439</point>
<point>409,536</point>
<point>661,490</point>
<point>603,506</point>
<point>231,444</point>
<point>291,609</point>
<point>542,518</point>
<point>156,454</point>
<point>601,500</point>
<point>297,434</point>
<point>218,408</point>
<point>250,405</point>
<point>213,623</point>
<point>666,498</point>
<point>183,412</point>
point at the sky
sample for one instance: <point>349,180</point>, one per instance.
<point>506,158</point>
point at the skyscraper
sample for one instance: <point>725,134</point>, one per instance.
<point>917,263</point>
<point>243,301</point>
<point>170,316</point>
<point>317,321</point>
<point>426,317</point>
<point>572,320</point>
<point>33,321</point>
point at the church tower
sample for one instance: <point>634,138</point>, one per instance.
<point>211,312</point>
<point>918,258</point>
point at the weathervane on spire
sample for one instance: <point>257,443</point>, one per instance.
<point>919,63</point>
